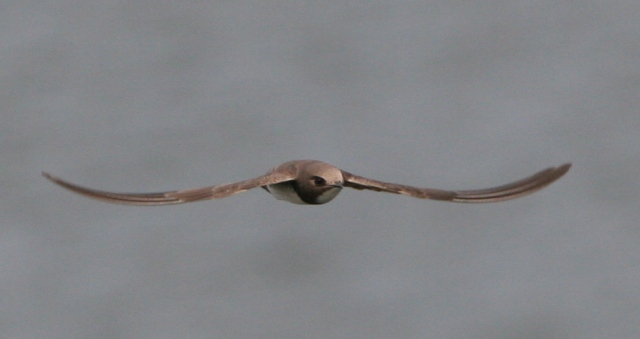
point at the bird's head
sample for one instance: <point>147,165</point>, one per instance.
<point>320,181</point>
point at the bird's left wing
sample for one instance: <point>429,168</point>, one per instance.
<point>505,192</point>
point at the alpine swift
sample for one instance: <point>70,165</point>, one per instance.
<point>315,182</point>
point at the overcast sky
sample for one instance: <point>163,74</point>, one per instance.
<point>153,96</point>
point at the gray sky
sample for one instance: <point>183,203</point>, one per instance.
<point>154,96</point>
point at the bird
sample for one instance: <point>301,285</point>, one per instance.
<point>313,182</point>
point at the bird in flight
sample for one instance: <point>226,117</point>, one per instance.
<point>315,182</point>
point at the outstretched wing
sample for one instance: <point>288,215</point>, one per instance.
<point>505,192</point>
<point>174,197</point>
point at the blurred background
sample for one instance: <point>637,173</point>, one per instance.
<point>153,96</point>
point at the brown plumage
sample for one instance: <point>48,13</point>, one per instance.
<point>316,182</point>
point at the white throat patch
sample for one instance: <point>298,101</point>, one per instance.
<point>329,195</point>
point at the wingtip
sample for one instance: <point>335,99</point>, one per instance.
<point>564,168</point>
<point>53,179</point>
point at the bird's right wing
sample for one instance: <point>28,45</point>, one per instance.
<point>174,197</point>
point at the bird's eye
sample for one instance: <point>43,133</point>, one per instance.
<point>318,181</point>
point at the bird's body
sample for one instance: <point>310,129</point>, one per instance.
<point>315,182</point>
<point>288,191</point>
